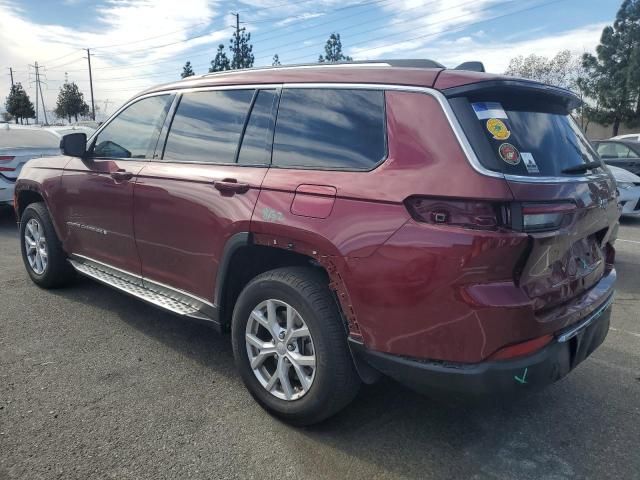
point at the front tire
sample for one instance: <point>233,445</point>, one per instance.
<point>42,253</point>
<point>290,346</point>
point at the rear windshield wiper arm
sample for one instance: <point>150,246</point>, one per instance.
<point>582,168</point>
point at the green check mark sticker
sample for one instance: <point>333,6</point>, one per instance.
<point>523,378</point>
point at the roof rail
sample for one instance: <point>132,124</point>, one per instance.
<point>403,63</point>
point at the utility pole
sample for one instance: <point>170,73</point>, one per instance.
<point>44,108</point>
<point>236,47</point>
<point>106,105</point>
<point>93,106</point>
<point>11,73</point>
<point>37,83</point>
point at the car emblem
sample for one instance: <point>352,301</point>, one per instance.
<point>603,203</point>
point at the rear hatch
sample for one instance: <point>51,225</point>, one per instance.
<point>19,145</point>
<point>565,199</point>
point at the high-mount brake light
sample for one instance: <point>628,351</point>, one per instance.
<point>469,214</point>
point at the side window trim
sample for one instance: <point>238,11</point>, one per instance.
<point>244,126</point>
<point>272,127</point>
<point>158,152</point>
<point>91,142</point>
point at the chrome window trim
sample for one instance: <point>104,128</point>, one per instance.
<point>436,94</point>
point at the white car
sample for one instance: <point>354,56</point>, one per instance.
<point>21,143</point>
<point>629,136</point>
<point>629,188</point>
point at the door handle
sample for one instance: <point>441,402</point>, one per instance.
<point>121,175</point>
<point>230,186</point>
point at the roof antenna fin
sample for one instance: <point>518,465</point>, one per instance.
<point>471,67</point>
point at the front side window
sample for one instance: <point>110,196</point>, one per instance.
<point>336,129</point>
<point>207,126</point>
<point>134,132</point>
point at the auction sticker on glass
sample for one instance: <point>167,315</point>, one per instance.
<point>487,110</point>
<point>529,162</point>
<point>509,154</point>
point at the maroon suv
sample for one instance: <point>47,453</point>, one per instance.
<point>451,229</point>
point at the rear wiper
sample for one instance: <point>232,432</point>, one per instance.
<point>582,168</point>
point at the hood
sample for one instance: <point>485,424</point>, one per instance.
<point>623,176</point>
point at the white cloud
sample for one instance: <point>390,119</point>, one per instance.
<point>123,23</point>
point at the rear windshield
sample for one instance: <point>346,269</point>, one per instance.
<point>27,138</point>
<point>521,137</point>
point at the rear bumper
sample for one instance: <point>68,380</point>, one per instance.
<point>569,348</point>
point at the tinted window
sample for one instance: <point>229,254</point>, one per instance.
<point>134,132</point>
<point>336,129</point>
<point>208,125</point>
<point>520,136</point>
<point>256,142</point>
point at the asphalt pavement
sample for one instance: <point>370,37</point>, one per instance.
<point>94,384</point>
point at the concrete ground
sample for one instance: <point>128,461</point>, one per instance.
<point>94,384</point>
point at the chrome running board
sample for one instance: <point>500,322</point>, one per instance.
<point>162,296</point>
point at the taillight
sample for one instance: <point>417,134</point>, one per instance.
<point>478,214</point>
<point>6,159</point>
<point>469,214</point>
<point>541,217</point>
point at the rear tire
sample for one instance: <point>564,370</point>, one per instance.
<point>314,360</point>
<point>42,253</point>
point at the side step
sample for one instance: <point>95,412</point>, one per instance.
<point>175,302</point>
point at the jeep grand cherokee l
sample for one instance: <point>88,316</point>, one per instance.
<point>451,229</point>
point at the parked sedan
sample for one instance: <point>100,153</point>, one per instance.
<point>19,144</point>
<point>620,153</point>
<point>629,188</point>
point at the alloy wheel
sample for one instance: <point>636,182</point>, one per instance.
<point>280,349</point>
<point>35,244</point>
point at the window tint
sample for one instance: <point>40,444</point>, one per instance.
<point>614,150</point>
<point>256,142</point>
<point>207,126</point>
<point>134,132</point>
<point>519,135</point>
<point>325,128</point>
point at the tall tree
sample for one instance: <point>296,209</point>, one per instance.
<point>276,61</point>
<point>19,105</point>
<point>187,71</point>
<point>221,61</point>
<point>613,75</point>
<point>242,50</point>
<point>70,102</point>
<point>563,70</point>
<point>333,50</point>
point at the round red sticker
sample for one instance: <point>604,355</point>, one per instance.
<point>509,154</point>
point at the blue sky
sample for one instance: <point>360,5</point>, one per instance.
<point>139,43</point>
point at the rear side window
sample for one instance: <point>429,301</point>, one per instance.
<point>207,126</point>
<point>614,150</point>
<point>521,136</point>
<point>330,129</point>
<point>256,142</point>
<point>134,132</point>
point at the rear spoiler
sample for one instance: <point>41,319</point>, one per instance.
<point>518,87</point>
<point>471,67</point>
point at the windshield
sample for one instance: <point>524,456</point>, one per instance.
<point>27,138</point>
<point>521,138</point>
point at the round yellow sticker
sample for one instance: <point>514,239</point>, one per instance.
<point>498,129</point>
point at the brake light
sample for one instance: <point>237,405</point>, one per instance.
<point>521,349</point>
<point>540,217</point>
<point>469,214</point>
<point>6,159</point>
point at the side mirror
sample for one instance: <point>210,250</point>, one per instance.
<point>74,145</point>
